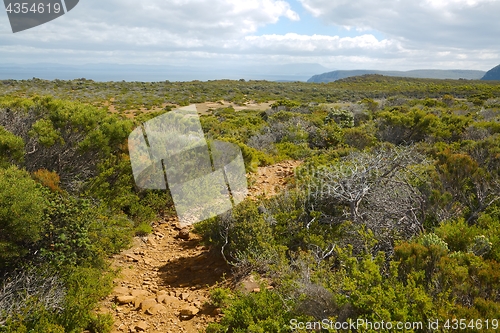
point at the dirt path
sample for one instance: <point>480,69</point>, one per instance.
<point>202,108</point>
<point>270,180</point>
<point>166,278</point>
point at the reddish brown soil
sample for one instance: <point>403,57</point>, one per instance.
<point>165,280</point>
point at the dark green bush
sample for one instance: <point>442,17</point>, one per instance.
<point>22,208</point>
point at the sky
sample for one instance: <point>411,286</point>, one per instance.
<point>337,34</point>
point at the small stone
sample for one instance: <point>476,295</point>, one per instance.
<point>160,298</point>
<point>139,293</point>
<point>122,299</point>
<point>169,299</point>
<point>184,233</point>
<point>151,242</point>
<point>158,308</point>
<point>121,291</point>
<point>189,311</point>
<point>140,296</point>
<point>132,258</point>
<point>184,296</point>
<point>256,290</point>
<point>141,326</point>
<point>148,303</point>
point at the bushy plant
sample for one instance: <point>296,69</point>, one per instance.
<point>343,118</point>
<point>11,148</point>
<point>262,312</point>
<point>22,209</point>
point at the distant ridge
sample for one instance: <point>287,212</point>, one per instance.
<point>418,73</point>
<point>492,74</point>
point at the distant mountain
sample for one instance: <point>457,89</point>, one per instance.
<point>492,74</point>
<point>418,73</point>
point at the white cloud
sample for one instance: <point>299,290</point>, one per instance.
<point>443,23</point>
<point>156,23</point>
<point>192,18</point>
<point>317,44</point>
<point>426,34</point>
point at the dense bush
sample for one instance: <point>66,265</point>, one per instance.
<point>67,202</point>
<point>395,213</point>
<point>377,231</point>
<point>22,208</point>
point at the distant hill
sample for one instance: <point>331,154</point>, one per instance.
<point>418,73</point>
<point>492,74</point>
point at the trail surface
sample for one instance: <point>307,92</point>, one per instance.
<point>165,279</point>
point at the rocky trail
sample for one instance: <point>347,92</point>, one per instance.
<point>165,278</point>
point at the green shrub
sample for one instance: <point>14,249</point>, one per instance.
<point>287,104</point>
<point>432,239</point>
<point>480,246</point>
<point>457,234</point>
<point>251,156</point>
<point>143,229</point>
<point>288,150</point>
<point>22,208</point>
<point>85,288</point>
<point>327,136</point>
<point>220,297</point>
<point>359,138</point>
<point>110,234</point>
<point>101,323</point>
<point>11,148</point>
<point>343,118</point>
<point>262,312</point>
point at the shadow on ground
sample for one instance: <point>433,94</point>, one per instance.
<point>195,269</point>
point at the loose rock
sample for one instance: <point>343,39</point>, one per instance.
<point>148,303</point>
<point>168,299</point>
<point>125,299</point>
<point>184,233</point>
<point>121,291</point>
<point>189,311</point>
<point>158,308</point>
<point>141,326</point>
<point>139,293</point>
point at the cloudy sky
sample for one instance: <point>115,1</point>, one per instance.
<point>338,34</point>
